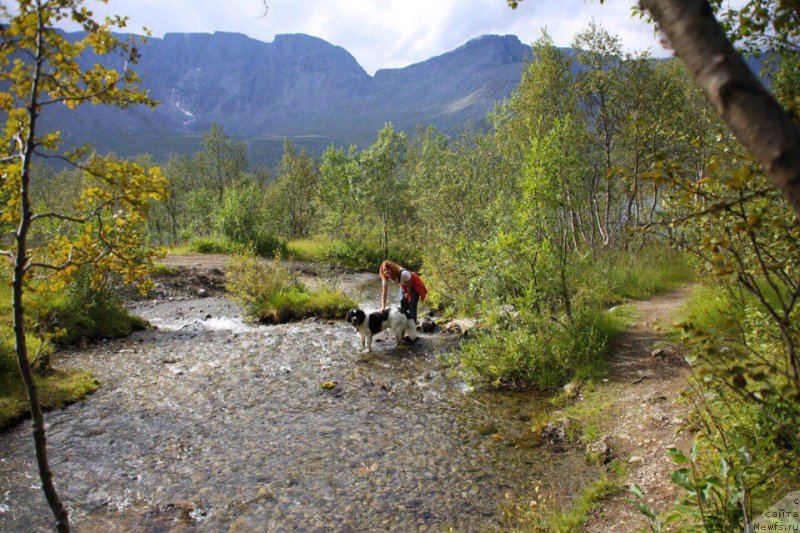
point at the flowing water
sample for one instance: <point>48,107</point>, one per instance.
<point>211,423</point>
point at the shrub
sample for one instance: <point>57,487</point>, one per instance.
<point>307,249</point>
<point>271,294</point>
<point>210,245</point>
<point>80,312</point>
<point>242,220</point>
<point>616,276</point>
<point>361,256</point>
<point>267,245</point>
<point>539,350</point>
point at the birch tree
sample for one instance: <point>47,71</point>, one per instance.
<point>41,69</point>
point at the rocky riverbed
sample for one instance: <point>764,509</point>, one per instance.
<point>212,423</point>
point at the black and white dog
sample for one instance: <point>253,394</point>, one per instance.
<point>369,325</point>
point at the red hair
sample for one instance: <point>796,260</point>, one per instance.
<point>390,270</point>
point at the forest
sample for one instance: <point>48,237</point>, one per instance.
<point>606,177</point>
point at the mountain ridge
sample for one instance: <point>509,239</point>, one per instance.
<point>297,86</point>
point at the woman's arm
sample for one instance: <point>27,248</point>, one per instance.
<point>383,294</point>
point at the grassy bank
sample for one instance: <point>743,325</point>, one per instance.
<point>565,338</point>
<point>352,255</point>
<point>736,355</point>
<point>589,419</point>
<point>68,316</point>
<point>265,246</point>
<point>540,513</point>
<point>271,294</point>
<point>56,389</point>
<point>311,250</point>
<point>540,350</point>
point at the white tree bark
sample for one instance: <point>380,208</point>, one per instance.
<point>757,120</point>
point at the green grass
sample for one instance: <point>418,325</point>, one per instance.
<point>165,271</point>
<point>543,351</point>
<point>67,316</point>
<point>542,514</point>
<point>297,303</point>
<point>179,249</point>
<point>709,308</point>
<point>271,294</point>
<point>592,414</point>
<point>211,245</point>
<point>56,390</point>
<point>307,249</point>
<point>618,276</point>
<point>590,419</point>
<point>588,500</point>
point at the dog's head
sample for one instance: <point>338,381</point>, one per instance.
<point>356,317</point>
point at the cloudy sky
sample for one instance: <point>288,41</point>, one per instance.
<point>389,33</point>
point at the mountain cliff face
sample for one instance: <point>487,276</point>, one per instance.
<point>298,86</point>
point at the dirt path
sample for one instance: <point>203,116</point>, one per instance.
<point>219,262</point>
<point>647,376</point>
<point>192,272</point>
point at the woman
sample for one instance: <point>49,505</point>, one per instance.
<point>412,290</point>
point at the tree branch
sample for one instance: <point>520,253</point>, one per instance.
<point>68,218</point>
<point>757,120</point>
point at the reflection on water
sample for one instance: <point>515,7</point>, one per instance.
<point>212,423</point>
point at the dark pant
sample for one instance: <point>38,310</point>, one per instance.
<point>411,305</point>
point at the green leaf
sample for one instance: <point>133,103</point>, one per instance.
<point>677,456</point>
<point>682,478</point>
<point>724,467</point>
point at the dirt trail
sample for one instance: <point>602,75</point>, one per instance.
<point>193,274</point>
<point>648,376</point>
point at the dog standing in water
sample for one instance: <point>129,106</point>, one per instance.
<point>369,325</point>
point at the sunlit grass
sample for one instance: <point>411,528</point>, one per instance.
<point>541,513</point>
<point>67,316</point>
<point>271,294</point>
<point>308,249</point>
<point>296,303</point>
<point>179,249</point>
<point>56,389</point>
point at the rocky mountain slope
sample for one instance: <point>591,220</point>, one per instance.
<point>298,86</point>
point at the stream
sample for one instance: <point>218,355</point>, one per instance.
<point>211,423</point>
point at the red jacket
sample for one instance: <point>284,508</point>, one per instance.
<point>417,285</point>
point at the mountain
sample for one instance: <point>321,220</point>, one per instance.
<point>297,86</point>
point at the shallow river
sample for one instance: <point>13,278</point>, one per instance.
<point>210,423</point>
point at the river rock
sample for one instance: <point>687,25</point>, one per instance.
<point>487,429</point>
<point>427,325</point>
<point>572,389</point>
<point>601,449</point>
<point>556,431</point>
<point>507,314</point>
<point>461,326</point>
<point>202,293</point>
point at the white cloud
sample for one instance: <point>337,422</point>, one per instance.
<point>388,33</point>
